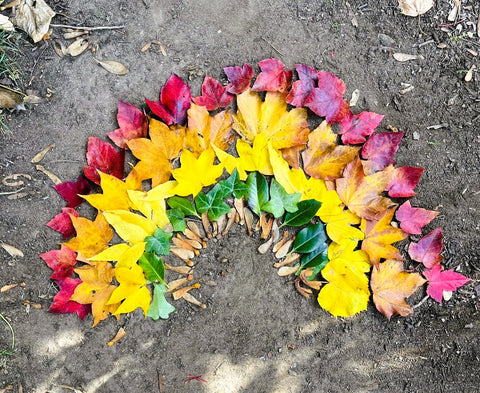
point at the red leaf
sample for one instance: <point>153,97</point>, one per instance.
<point>439,281</point>
<point>70,190</point>
<point>62,303</point>
<point>214,95</point>
<point>174,101</point>
<point>302,88</point>
<point>428,249</point>
<point>273,76</point>
<point>133,124</point>
<point>380,149</point>
<point>413,219</point>
<point>404,181</point>
<point>103,156</point>
<point>354,128</point>
<point>63,223</point>
<point>60,261</point>
<point>239,77</point>
<point>327,99</point>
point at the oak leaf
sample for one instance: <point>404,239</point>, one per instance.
<point>379,151</point>
<point>404,181</point>
<point>273,76</point>
<point>62,222</point>
<point>114,196</point>
<point>70,191</point>
<point>102,156</point>
<point>214,95</point>
<point>413,219</point>
<point>442,280</point>
<point>428,249</point>
<point>239,78</point>
<point>302,88</point>
<point>354,128</point>
<point>61,301</point>
<point>60,261</point>
<point>132,122</point>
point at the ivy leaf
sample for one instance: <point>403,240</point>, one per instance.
<point>413,219</point>
<point>177,219</point>
<point>306,211</point>
<point>70,191</point>
<point>257,191</point>
<point>280,200</point>
<point>60,261</point>
<point>309,239</point>
<point>273,76</point>
<point>182,204</point>
<point>218,209</point>
<point>203,202</point>
<point>102,156</point>
<point>159,243</point>
<point>379,151</point>
<point>153,267</point>
<point>439,281</point>
<point>62,303</point>
<point>133,124</point>
<point>302,88</point>
<point>159,308</point>
<point>62,222</point>
<point>428,249</point>
<point>354,128</point>
<point>214,95</point>
<point>404,181</point>
<point>239,78</point>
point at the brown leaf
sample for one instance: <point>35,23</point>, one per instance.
<point>13,251</point>
<point>179,293</point>
<point>6,288</point>
<point>114,67</point>
<point>181,243</point>
<point>172,285</point>
<point>34,17</point>
<point>191,299</point>
<point>283,251</point>
<point>287,270</point>
<point>280,243</point>
<point>77,47</point>
<point>206,225</point>
<point>120,334</point>
<point>303,291</point>
<point>179,269</point>
<point>288,260</point>
<point>40,155</point>
<point>54,178</point>
<point>11,99</point>
<point>414,7</point>
<point>231,219</point>
<point>263,248</point>
<point>266,227</point>
<point>247,213</point>
<point>312,284</point>
<point>238,203</point>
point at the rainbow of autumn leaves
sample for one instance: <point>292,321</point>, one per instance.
<point>184,146</point>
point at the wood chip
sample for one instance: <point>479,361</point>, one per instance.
<point>7,180</point>
<point>13,251</point>
<point>41,154</point>
<point>265,246</point>
<point>54,178</point>
<point>266,226</point>
<point>120,334</point>
<point>279,244</point>
<point>231,220</point>
<point>239,206</point>
<point>288,260</point>
<point>179,293</point>
<point>283,251</point>
<point>191,299</point>
<point>407,57</point>
<point>206,225</point>
<point>247,213</point>
<point>287,270</point>
<point>179,269</point>
<point>6,288</point>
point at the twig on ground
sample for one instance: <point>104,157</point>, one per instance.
<point>92,28</point>
<point>275,49</point>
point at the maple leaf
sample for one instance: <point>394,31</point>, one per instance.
<point>133,124</point>
<point>323,158</point>
<point>194,174</point>
<point>362,194</point>
<point>60,261</point>
<point>273,76</point>
<point>404,181</point>
<point>61,301</point>
<point>174,101</point>
<point>214,95</point>
<point>302,88</point>
<point>413,219</point>
<point>92,236</point>
<point>125,255</point>
<point>62,222</point>
<point>354,128</point>
<point>439,281</point>
<point>379,151</point>
<point>131,227</point>
<point>114,195</point>
<point>239,78</point>
<point>326,100</point>
<point>428,249</point>
<point>71,190</point>
<point>378,240</point>
<point>153,208</point>
<point>103,157</point>
<point>340,222</point>
<point>256,157</point>
<point>96,289</point>
<point>391,285</point>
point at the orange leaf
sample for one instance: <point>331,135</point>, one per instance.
<point>391,285</point>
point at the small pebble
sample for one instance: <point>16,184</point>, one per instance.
<point>386,40</point>
<point>416,135</point>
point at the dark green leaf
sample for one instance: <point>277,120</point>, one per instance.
<point>239,187</point>
<point>316,260</point>
<point>306,211</point>
<point>182,204</point>
<point>257,191</point>
<point>152,266</point>
<point>159,243</point>
<point>176,218</point>
<point>310,238</point>
<point>218,208</point>
<point>203,202</point>
<point>317,269</point>
<point>159,307</point>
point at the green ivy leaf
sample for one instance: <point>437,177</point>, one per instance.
<point>159,243</point>
<point>257,192</point>
<point>218,209</point>
<point>176,218</point>
<point>280,200</point>
<point>203,202</point>
<point>310,238</point>
<point>152,266</point>
<point>159,307</point>
<point>182,204</point>
<point>306,211</point>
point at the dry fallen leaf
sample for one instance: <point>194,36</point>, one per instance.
<point>77,47</point>
<point>172,285</point>
<point>6,288</point>
<point>264,247</point>
<point>231,219</point>
<point>406,57</point>
<point>34,17</point>
<point>414,7</point>
<point>59,48</point>
<point>287,270</point>
<point>16,183</point>
<point>191,299</point>
<point>11,99</point>
<point>54,178</point>
<point>120,334</point>
<point>74,34</point>
<point>288,260</point>
<point>277,246</point>
<point>13,251</point>
<point>179,269</point>
<point>40,155</point>
<point>283,251</point>
<point>182,253</point>
<point>5,23</point>
<point>247,213</point>
<point>114,67</point>
<point>238,203</point>
<point>179,293</point>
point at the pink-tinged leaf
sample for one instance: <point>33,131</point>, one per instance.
<point>327,99</point>
<point>302,88</point>
<point>239,78</point>
<point>102,156</point>
<point>380,149</point>
<point>413,219</point>
<point>133,124</point>
<point>428,249</point>
<point>70,191</point>
<point>273,76</point>
<point>174,101</point>
<point>60,261</point>
<point>62,303</point>
<point>354,128</point>
<point>404,181</point>
<point>214,95</point>
<point>63,223</point>
<point>439,281</point>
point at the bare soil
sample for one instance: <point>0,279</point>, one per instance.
<point>257,334</point>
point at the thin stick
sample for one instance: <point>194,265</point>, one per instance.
<point>89,28</point>
<point>421,302</point>
<point>275,49</point>
<point>13,337</point>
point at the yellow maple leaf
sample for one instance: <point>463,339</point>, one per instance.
<point>125,255</point>
<point>347,292</point>
<point>379,238</point>
<point>96,289</point>
<point>114,196</point>
<point>196,173</point>
<point>256,157</point>
<point>131,227</point>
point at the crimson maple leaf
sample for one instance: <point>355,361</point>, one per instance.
<point>60,261</point>
<point>273,76</point>
<point>63,223</point>
<point>239,78</point>
<point>302,88</point>
<point>413,219</point>
<point>103,157</point>
<point>428,249</point>
<point>62,303</point>
<point>70,191</point>
<point>174,102</point>
<point>133,124</point>
<point>354,128</point>
<point>214,95</point>
<point>404,181</point>
<point>439,281</point>
<point>379,151</point>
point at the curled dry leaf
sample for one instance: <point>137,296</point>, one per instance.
<point>287,270</point>
<point>120,334</point>
<point>414,7</point>
<point>288,260</point>
<point>306,292</point>
<point>54,178</point>
<point>41,155</point>
<point>34,17</point>
<point>114,67</point>
<point>6,181</point>
<point>13,251</point>
<point>191,299</point>
<point>406,57</point>
<point>77,47</point>
<point>283,251</point>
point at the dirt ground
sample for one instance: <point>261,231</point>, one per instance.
<point>257,335</point>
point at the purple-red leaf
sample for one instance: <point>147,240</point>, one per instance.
<point>439,281</point>
<point>273,76</point>
<point>214,95</point>
<point>63,223</point>
<point>239,77</point>
<point>132,122</point>
<point>354,128</point>
<point>60,261</point>
<point>174,101</point>
<point>413,219</point>
<point>428,249</point>
<point>302,88</point>
<point>404,181</point>
<point>103,156</point>
<point>327,99</point>
<point>70,191</point>
<point>62,303</point>
<point>380,149</point>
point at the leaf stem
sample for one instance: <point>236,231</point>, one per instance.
<point>5,352</point>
